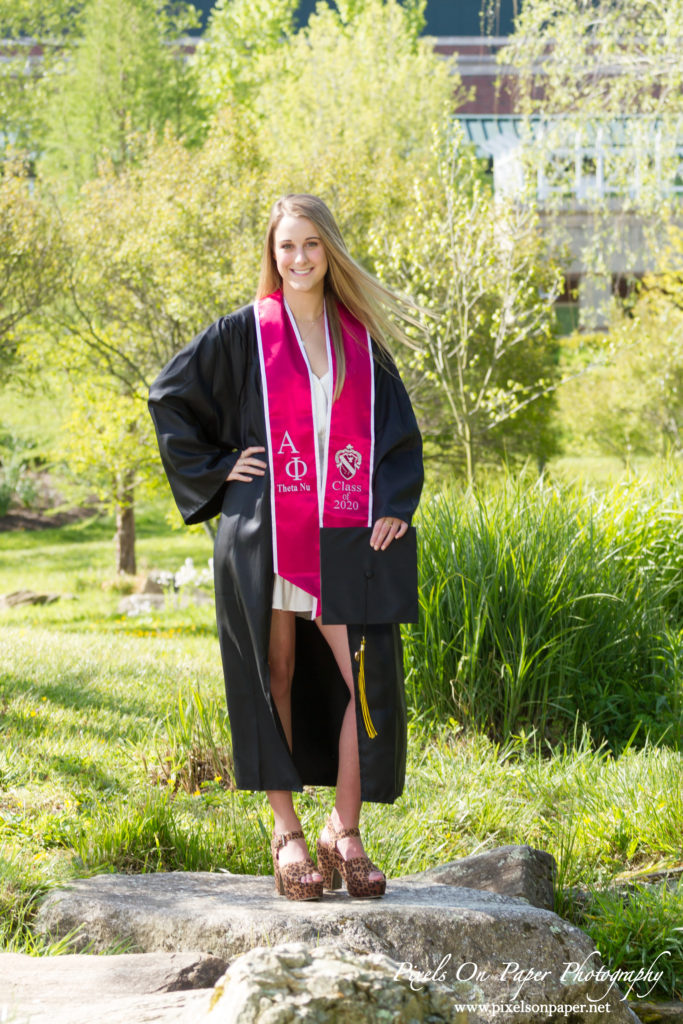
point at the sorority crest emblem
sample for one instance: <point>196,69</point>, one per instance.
<point>347,461</point>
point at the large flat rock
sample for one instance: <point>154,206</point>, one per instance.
<point>126,989</point>
<point>506,948</point>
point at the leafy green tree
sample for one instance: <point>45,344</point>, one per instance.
<point>123,77</point>
<point>32,259</point>
<point>343,108</point>
<point>155,252</point>
<point>162,246</point>
<point>230,56</point>
<point>108,448</point>
<point>38,19</point>
<point>49,25</point>
<point>484,369</point>
<point>597,57</point>
<point>347,108</point>
<point>628,401</point>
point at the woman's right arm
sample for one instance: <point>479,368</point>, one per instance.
<point>198,436</point>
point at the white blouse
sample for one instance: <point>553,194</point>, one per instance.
<point>287,596</point>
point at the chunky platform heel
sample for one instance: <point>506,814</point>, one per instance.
<point>288,878</point>
<point>326,866</point>
<point>354,871</point>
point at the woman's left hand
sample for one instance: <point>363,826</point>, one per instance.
<point>385,530</point>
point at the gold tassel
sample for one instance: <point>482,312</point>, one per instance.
<point>360,658</point>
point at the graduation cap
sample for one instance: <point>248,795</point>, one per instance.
<point>361,586</point>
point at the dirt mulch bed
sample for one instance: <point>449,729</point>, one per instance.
<point>28,519</point>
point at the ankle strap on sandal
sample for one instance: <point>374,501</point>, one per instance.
<point>283,838</point>
<point>343,833</point>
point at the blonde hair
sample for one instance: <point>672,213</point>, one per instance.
<point>346,282</point>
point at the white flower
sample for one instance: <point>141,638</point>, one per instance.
<point>186,574</point>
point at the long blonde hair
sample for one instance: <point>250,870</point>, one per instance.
<point>346,282</point>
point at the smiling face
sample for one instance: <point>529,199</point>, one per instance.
<point>299,255</point>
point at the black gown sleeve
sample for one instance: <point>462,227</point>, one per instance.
<point>398,472</point>
<point>198,434</point>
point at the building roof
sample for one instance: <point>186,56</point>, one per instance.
<point>492,136</point>
<point>444,17</point>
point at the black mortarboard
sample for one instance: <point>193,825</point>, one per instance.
<point>362,586</point>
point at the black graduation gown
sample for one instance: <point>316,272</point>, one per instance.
<point>207,406</point>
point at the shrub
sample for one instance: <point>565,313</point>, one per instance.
<point>546,609</point>
<point>15,481</point>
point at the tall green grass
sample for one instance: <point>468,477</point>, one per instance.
<point>547,609</point>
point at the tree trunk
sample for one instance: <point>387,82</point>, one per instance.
<point>125,529</point>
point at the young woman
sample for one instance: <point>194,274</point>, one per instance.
<point>285,417</point>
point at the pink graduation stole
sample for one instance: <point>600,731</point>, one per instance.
<point>306,492</point>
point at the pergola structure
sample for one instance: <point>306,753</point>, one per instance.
<point>596,183</point>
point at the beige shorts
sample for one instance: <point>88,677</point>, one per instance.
<point>290,598</point>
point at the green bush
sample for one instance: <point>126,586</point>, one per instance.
<point>640,928</point>
<point>15,482</point>
<point>550,609</point>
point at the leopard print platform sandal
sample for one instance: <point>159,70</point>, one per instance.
<point>288,877</point>
<point>354,871</point>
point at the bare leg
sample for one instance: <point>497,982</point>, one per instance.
<point>346,811</point>
<point>281,663</point>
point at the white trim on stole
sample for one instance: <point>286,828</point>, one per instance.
<point>264,388</point>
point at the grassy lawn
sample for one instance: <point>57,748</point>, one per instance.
<point>115,755</point>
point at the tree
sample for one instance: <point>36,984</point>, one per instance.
<point>597,57</point>
<point>161,246</point>
<point>25,25</point>
<point>153,253</point>
<point>123,77</point>
<point>230,55</point>
<point>631,401</point>
<point>32,258</point>
<point>156,252</point>
<point>108,446</point>
<point>347,108</point>
<point>343,108</point>
<point>485,367</point>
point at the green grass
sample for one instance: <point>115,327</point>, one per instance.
<point>642,928</point>
<point>77,561</point>
<point>96,775</point>
<point>21,411</point>
<point>115,754</point>
<point>545,606</point>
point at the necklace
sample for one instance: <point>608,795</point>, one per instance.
<point>310,329</point>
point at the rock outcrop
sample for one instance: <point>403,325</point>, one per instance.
<point>125,989</point>
<point>519,871</point>
<point>329,984</point>
<point>500,948</point>
<point>22,597</point>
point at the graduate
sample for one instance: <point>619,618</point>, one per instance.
<point>288,419</point>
